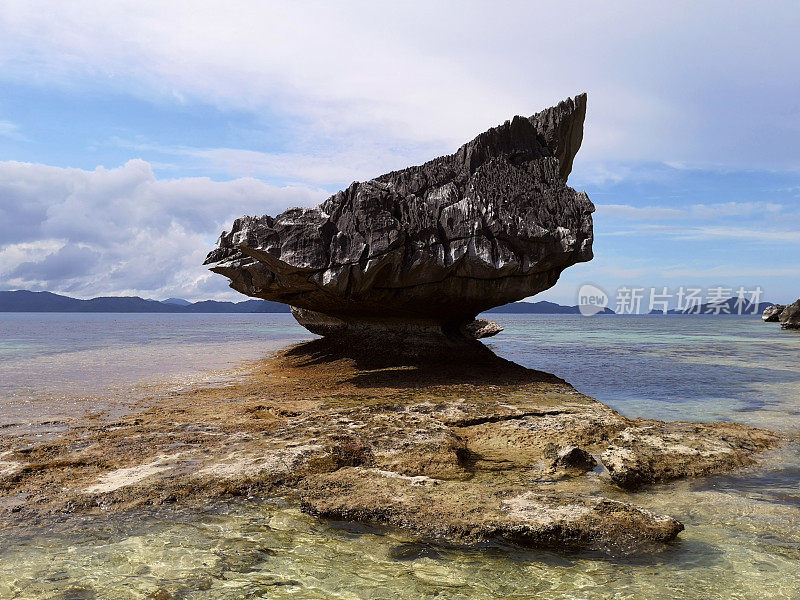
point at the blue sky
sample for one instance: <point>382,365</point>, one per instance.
<point>131,133</point>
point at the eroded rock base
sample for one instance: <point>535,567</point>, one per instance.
<point>398,336</point>
<point>467,447</point>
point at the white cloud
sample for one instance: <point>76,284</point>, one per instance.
<point>13,255</point>
<point>733,272</point>
<point>666,82</point>
<point>649,213</point>
<point>340,168</point>
<point>741,233</point>
<point>697,212</point>
<point>709,233</point>
<point>735,209</point>
<point>122,231</point>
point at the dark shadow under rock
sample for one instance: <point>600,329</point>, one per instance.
<point>390,362</point>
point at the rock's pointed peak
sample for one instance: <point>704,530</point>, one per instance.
<point>556,132</point>
<point>562,129</point>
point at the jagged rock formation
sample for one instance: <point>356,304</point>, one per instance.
<point>790,316</point>
<point>427,248</point>
<point>787,316</point>
<point>771,313</point>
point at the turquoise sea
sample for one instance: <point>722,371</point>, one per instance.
<point>743,530</point>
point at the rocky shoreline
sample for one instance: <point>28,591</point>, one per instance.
<point>468,448</point>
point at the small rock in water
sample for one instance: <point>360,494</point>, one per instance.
<point>78,593</point>
<point>772,313</point>
<point>481,328</point>
<point>413,551</point>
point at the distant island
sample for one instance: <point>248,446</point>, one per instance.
<point>729,307</point>
<point>27,301</point>
<point>541,308</point>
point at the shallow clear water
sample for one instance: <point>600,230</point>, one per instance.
<point>672,368</point>
<point>743,530</point>
<point>57,366</point>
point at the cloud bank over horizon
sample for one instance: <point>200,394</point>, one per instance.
<point>199,113</point>
<point>122,231</point>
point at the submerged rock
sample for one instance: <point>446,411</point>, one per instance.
<point>425,249</point>
<point>771,313</point>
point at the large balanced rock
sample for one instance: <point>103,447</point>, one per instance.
<point>427,248</point>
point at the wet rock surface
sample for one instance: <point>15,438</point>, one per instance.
<point>652,451</point>
<point>470,513</point>
<point>469,448</point>
<point>427,248</point>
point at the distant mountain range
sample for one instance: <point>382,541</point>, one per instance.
<point>541,308</point>
<point>27,301</point>
<point>178,301</point>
